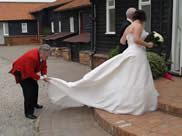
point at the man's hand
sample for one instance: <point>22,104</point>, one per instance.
<point>46,79</point>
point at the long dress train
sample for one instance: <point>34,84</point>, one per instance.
<point>121,85</point>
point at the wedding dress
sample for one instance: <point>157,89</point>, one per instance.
<point>121,85</point>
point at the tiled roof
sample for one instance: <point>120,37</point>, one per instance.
<point>17,10</point>
<point>74,4</point>
<point>52,4</point>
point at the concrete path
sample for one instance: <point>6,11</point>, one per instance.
<point>67,119</point>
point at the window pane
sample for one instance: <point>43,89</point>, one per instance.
<point>111,2</point>
<point>6,28</point>
<point>59,26</point>
<point>147,10</point>
<point>24,27</point>
<point>71,24</point>
<point>145,0</point>
<point>52,27</point>
<point>112,20</point>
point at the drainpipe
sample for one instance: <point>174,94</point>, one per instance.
<point>93,35</point>
<point>38,29</point>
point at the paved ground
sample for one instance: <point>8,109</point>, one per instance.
<point>54,120</point>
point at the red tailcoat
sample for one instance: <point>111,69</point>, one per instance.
<point>29,65</point>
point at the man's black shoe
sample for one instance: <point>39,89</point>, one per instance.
<point>30,116</point>
<point>38,106</point>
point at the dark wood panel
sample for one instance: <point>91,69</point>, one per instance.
<point>15,27</point>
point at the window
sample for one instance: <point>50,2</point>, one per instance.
<point>5,29</point>
<point>72,24</point>
<point>52,27</point>
<point>59,26</point>
<point>110,17</point>
<point>24,27</point>
<point>146,6</point>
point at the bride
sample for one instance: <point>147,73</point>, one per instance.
<point>121,85</point>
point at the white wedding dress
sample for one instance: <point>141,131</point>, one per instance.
<point>121,85</point>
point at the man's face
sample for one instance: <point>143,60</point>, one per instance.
<point>44,56</point>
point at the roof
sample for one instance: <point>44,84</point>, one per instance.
<point>17,10</point>
<point>74,4</point>
<point>81,38</point>
<point>58,35</point>
<point>52,4</point>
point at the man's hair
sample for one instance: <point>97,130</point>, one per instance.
<point>130,11</point>
<point>44,48</point>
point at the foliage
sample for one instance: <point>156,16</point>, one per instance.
<point>114,52</point>
<point>46,31</point>
<point>157,64</point>
<point>157,40</point>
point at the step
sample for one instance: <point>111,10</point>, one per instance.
<point>170,99</point>
<point>149,124</point>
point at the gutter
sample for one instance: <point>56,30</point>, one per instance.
<point>93,35</point>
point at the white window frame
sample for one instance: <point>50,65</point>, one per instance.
<point>108,17</point>
<point>72,29</point>
<point>5,26</point>
<point>52,27</point>
<point>60,30</point>
<point>141,3</point>
<point>24,27</point>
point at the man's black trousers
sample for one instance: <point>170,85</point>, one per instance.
<point>30,93</point>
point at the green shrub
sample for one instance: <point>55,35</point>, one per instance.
<point>46,31</point>
<point>157,64</point>
<point>114,52</point>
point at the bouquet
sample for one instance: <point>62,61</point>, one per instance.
<point>156,38</point>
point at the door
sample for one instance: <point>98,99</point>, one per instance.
<point>177,38</point>
<point>81,22</point>
<point>1,34</point>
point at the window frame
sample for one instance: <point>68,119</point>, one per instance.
<point>60,26</point>
<point>24,27</point>
<point>72,27</point>
<point>4,29</point>
<point>52,27</point>
<point>108,16</point>
<point>145,3</point>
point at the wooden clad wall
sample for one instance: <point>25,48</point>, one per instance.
<point>161,20</point>
<point>15,27</point>
<point>105,43</point>
<point>64,17</point>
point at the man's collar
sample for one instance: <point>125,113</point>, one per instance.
<point>129,20</point>
<point>41,61</point>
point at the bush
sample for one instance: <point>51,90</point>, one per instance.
<point>114,52</point>
<point>157,64</point>
<point>46,31</point>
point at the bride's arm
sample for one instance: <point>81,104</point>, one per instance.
<point>137,31</point>
<point>123,39</point>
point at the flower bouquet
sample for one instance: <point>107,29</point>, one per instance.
<point>156,38</point>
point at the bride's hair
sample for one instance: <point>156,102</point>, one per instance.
<point>140,15</point>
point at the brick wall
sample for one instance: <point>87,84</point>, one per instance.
<point>99,59</point>
<point>20,40</point>
<point>66,52</point>
<point>85,57</point>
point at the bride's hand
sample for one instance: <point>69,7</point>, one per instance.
<point>150,45</point>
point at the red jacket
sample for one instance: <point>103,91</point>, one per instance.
<point>29,65</point>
